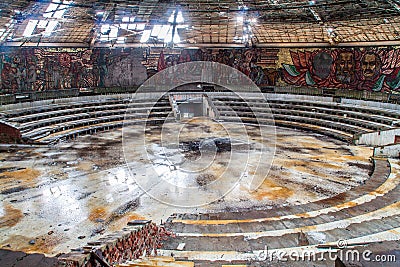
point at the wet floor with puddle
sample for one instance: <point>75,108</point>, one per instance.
<point>56,198</point>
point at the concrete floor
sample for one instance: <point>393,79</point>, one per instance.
<point>57,198</point>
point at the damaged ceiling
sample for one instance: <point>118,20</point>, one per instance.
<point>197,23</point>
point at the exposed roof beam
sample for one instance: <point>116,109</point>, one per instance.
<point>394,4</point>
<point>210,45</point>
<point>315,14</point>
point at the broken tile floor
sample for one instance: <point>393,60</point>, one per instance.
<point>57,198</point>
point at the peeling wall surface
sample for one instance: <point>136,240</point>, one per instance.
<point>38,69</point>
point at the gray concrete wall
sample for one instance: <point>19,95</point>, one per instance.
<point>63,101</point>
<point>298,97</point>
<point>363,103</point>
<point>208,108</point>
<point>392,151</point>
<point>380,138</point>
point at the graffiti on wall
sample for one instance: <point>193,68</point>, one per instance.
<point>362,69</point>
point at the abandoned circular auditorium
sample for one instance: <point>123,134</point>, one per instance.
<point>199,133</point>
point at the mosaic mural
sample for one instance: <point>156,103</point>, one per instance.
<point>40,69</point>
<point>258,64</point>
<point>362,69</point>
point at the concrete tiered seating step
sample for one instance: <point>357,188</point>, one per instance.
<point>367,213</point>
<point>53,122</point>
<point>340,121</point>
<point>162,261</point>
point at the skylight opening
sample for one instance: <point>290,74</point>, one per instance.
<point>179,17</point>
<point>145,36</point>
<point>121,40</point>
<point>42,24</point>
<point>131,27</point>
<point>104,38</point>
<point>30,27</point>
<point>105,29</point>
<point>140,27</point>
<point>171,18</point>
<point>128,19</point>
<point>164,31</point>
<point>50,28</point>
<point>60,12</point>
<point>168,37</point>
<point>156,30</point>
<point>55,10</point>
<point>177,38</point>
<point>2,34</point>
<point>114,32</point>
<point>50,10</point>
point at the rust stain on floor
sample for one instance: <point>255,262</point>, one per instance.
<point>272,191</point>
<point>11,216</point>
<point>217,170</point>
<point>355,157</point>
<point>346,205</point>
<point>98,213</point>
<point>40,244</point>
<point>18,180</point>
<point>85,166</point>
<point>25,176</point>
<point>303,215</point>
